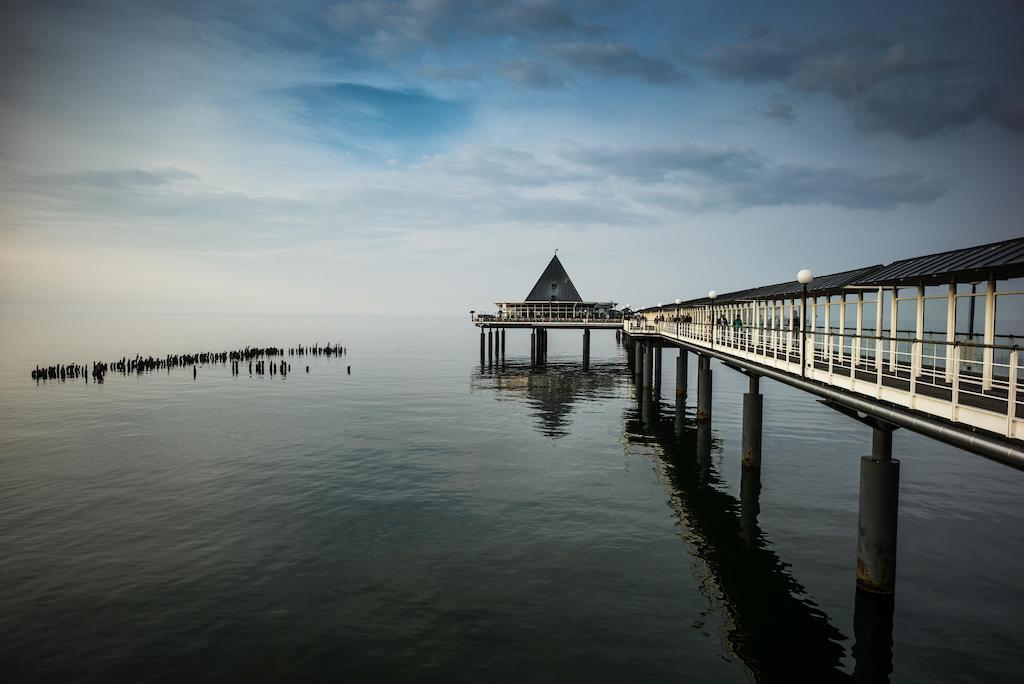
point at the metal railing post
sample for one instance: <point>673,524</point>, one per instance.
<point>1011,394</point>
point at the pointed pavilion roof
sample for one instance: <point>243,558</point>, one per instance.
<point>554,285</point>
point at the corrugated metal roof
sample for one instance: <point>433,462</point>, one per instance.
<point>1004,259</point>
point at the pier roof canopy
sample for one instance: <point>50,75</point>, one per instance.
<point>554,285</point>
<point>998,259</point>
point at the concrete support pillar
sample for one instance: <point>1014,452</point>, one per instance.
<point>490,345</point>
<point>876,521</point>
<point>502,344</point>
<point>638,359</point>
<point>533,347</point>
<point>681,371</point>
<point>648,375</point>
<point>542,346</point>
<point>657,365</point>
<point>482,342</point>
<point>703,389</point>
<point>586,348</point>
<point>753,404</point>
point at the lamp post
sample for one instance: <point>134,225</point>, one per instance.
<point>803,277</point>
<point>678,302</point>
<point>711,296</point>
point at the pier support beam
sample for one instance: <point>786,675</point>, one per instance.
<point>681,371</point>
<point>753,404</point>
<point>502,344</point>
<point>586,348</point>
<point>490,345</point>
<point>648,375</point>
<point>533,347</point>
<point>876,520</point>
<point>703,388</point>
<point>481,346</point>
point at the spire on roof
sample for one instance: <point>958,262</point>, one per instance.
<point>554,285</point>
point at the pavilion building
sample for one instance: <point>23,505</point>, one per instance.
<point>555,298</point>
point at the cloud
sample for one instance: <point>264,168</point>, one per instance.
<point>886,87</point>
<point>530,73</point>
<point>753,62</point>
<point>779,112</point>
<point>708,178</point>
<point>500,167</point>
<point>917,116</point>
<point>619,61</point>
<point>348,114</point>
<point>398,26</point>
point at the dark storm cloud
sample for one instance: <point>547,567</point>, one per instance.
<point>885,85</point>
<point>731,178</point>
<point>618,61</point>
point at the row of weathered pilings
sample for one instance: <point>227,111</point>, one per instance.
<point>879,476</point>
<point>139,364</point>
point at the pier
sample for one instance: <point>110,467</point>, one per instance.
<point>553,304</point>
<point>927,344</point>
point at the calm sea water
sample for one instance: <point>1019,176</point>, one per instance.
<point>426,518</point>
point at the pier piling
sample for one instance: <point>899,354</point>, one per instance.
<point>648,374</point>
<point>681,370</point>
<point>878,514</point>
<point>586,349</point>
<point>703,388</point>
<point>753,404</point>
<point>657,366</point>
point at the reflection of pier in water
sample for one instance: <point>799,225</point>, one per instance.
<point>552,392</point>
<point>775,628</point>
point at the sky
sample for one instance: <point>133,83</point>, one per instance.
<point>429,156</point>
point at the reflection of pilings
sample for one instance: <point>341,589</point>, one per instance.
<point>703,388</point>
<point>877,517</point>
<point>704,451</point>
<point>773,626</point>
<point>586,348</point>
<point>750,504</point>
<point>872,629</point>
<point>648,410</point>
<point>681,371</point>
<point>753,404</point>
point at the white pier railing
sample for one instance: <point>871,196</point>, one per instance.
<point>964,382</point>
